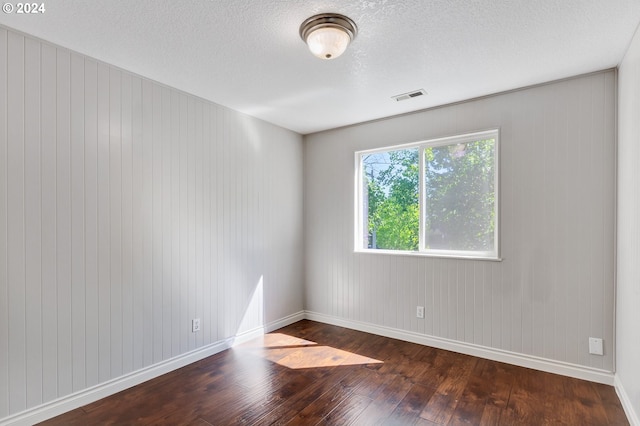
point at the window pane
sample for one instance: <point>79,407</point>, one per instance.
<point>390,200</point>
<point>460,196</point>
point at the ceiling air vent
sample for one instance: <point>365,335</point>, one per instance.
<point>409,95</point>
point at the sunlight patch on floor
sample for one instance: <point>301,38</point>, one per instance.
<point>295,353</point>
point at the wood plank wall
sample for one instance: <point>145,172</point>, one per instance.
<point>127,208</point>
<point>555,285</point>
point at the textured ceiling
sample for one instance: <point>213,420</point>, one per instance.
<point>247,54</point>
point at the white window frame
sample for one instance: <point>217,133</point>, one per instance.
<point>422,145</point>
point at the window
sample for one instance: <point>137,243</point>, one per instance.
<point>437,197</point>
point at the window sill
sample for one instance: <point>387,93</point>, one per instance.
<point>427,254</point>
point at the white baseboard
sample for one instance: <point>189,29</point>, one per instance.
<point>528,361</point>
<point>103,390</point>
<point>245,336</point>
<point>632,416</point>
<point>87,396</point>
<point>283,322</point>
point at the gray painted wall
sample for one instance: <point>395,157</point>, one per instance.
<point>128,208</point>
<point>555,285</point>
<point>628,286</point>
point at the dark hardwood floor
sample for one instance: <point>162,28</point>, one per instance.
<point>312,373</point>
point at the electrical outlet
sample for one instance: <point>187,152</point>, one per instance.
<point>195,325</point>
<point>595,346</point>
<point>420,312</point>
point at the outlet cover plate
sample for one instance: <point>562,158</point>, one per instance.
<point>195,325</point>
<point>595,346</point>
<point>420,312</point>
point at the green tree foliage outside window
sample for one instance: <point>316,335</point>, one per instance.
<point>392,187</point>
<point>459,197</point>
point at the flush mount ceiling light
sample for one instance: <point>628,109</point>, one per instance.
<point>328,34</point>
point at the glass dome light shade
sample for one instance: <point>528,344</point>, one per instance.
<point>328,42</point>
